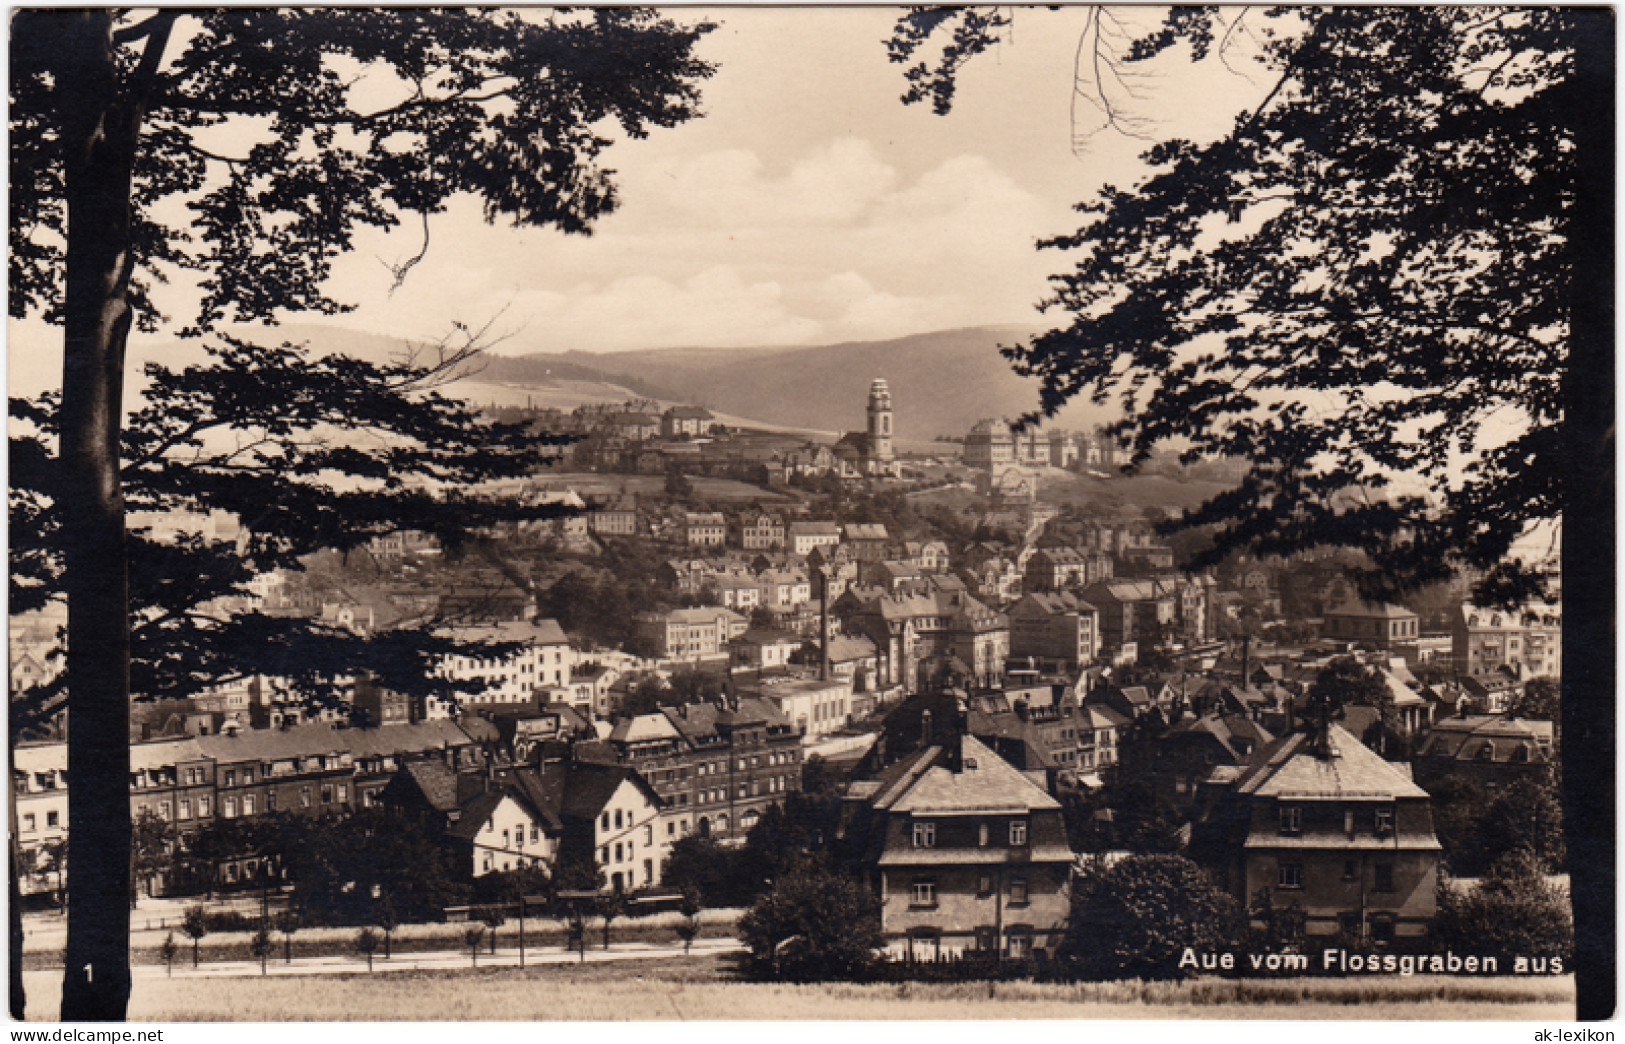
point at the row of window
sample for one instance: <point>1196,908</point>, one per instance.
<point>1382,820</point>
<point>923,890</point>
<point>53,819</point>
<point>1290,875</point>
<point>925,834</point>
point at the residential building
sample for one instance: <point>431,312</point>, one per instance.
<point>1328,826</point>
<point>1056,627</point>
<point>804,536</point>
<point>1131,610</point>
<point>1527,641</point>
<point>543,659</point>
<point>814,707</point>
<point>716,768</point>
<point>1490,749</point>
<point>761,532</point>
<point>1384,626</point>
<point>989,445</point>
<point>869,541</point>
<point>704,529</point>
<point>606,813</point>
<point>967,855</point>
<point>690,634</point>
<point>685,421</point>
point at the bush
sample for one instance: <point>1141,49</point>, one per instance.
<point>1136,917</point>
<point>1513,912</point>
<point>814,926</point>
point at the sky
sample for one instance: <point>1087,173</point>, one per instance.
<point>807,206</point>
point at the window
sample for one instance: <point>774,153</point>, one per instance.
<point>649,834</point>
<point>924,893</point>
<point>504,839</point>
<point>344,793</point>
<point>304,797</point>
<point>1384,822</point>
<point>1291,819</point>
<point>1384,878</point>
<point>1018,832</point>
<point>925,835</point>
<point>617,851</point>
<point>270,801</point>
<point>231,777</point>
<point>229,809</point>
<point>617,819</point>
<point>29,823</point>
<point>1289,875</point>
<point>986,939</point>
<point>248,804</point>
<point>603,854</point>
<point>605,823</point>
<point>163,811</point>
<point>183,808</point>
<point>327,793</point>
<point>1020,940</point>
<point>53,819</point>
<point>1018,890</point>
<point>535,834</point>
<point>984,884</point>
<point>1349,873</point>
<point>248,774</point>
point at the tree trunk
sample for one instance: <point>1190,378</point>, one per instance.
<point>1588,705</point>
<point>98,141</point>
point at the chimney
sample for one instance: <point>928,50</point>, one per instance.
<point>823,623</point>
<point>1020,707</point>
<point>925,729</point>
<point>1246,657</point>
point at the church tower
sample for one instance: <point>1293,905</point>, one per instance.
<point>880,424</point>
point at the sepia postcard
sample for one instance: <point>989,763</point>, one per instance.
<point>743,514</point>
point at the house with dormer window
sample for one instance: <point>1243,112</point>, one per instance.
<point>967,854</point>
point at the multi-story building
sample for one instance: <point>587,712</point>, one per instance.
<point>967,855</point>
<point>804,536</point>
<point>39,787</point>
<point>815,706</point>
<point>705,529</point>
<point>685,421</point>
<point>716,769</point>
<point>869,541</point>
<point>1384,626</point>
<point>1130,610</point>
<point>1490,749</point>
<point>989,445</point>
<point>1328,826</point>
<point>1528,641</point>
<point>1054,627</point>
<point>761,532</point>
<point>690,634</point>
<point>908,629</point>
<point>617,517</point>
<point>544,659</point>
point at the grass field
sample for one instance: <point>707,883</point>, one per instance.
<point>698,988</point>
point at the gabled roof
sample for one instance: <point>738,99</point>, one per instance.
<point>985,783</point>
<point>1289,768</point>
<point>865,531</point>
<point>436,782</point>
<point>477,809</point>
<point>644,728</point>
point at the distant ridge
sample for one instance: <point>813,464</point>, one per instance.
<point>941,382</point>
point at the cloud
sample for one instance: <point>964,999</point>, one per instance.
<point>724,248</point>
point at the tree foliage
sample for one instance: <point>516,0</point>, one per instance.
<point>241,150</point>
<point>1366,288</point>
<point>1136,917</point>
<point>814,926</point>
<point>1513,912</point>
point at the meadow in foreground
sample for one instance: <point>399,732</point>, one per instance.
<point>699,988</point>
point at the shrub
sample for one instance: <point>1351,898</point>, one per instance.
<point>814,926</point>
<point>1136,917</point>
